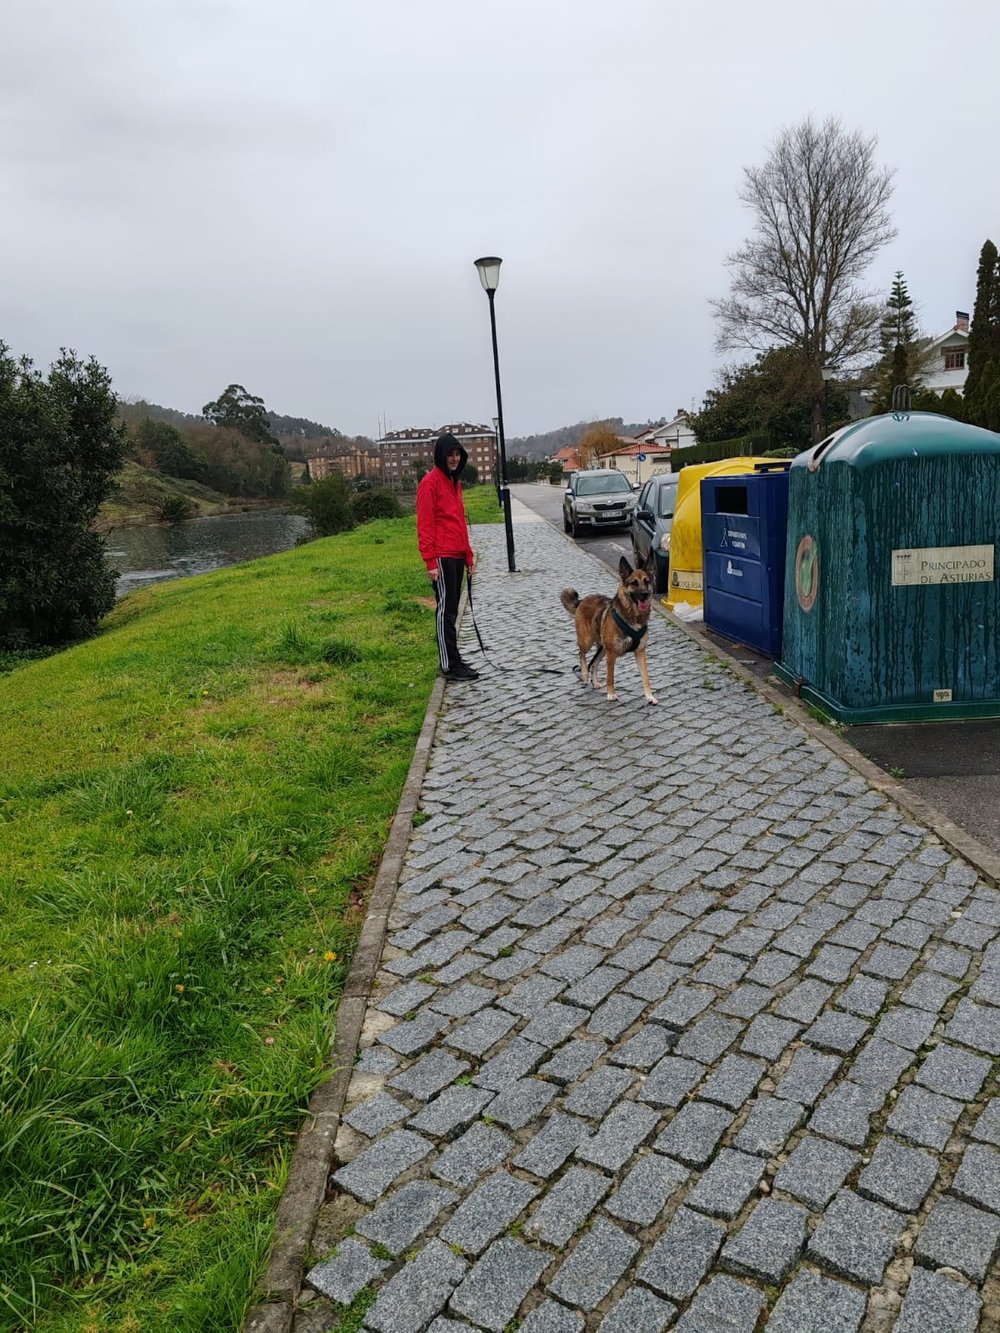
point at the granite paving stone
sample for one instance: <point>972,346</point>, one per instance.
<point>733,1082</point>
<point>479,1149</point>
<point>954,1071</point>
<point>418,1292</point>
<point>694,1132</point>
<point>551,1317</point>
<point>709,1038</point>
<point>495,1288</point>
<point>622,1131</point>
<point>479,1034</point>
<point>975,1025</point>
<point>906,1027</point>
<point>773,967</point>
<point>647,1046</point>
<point>923,1117</point>
<point>805,1001</point>
<point>595,1265</point>
<point>832,963</point>
<point>881,1064</point>
<point>572,1059</point>
<point>487,1211</point>
<point>522,1102</point>
<point>898,1176</point>
<point>807,1076</point>
<point>682,1005</point>
<point>727,1184</point>
<point>531,994</point>
<point>376,1114</point>
<point>815,1304</point>
<point>836,1032</point>
<point>856,1238</point>
<point>371,1173</point>
<point>768,1036</point>
<point>936,1303</point>
<point>669,1082</point>
<point>683,1255</point>
<point>638,1311</point>
<point>724,1304</point>
<point>978,1178</point>
<point>402,1217</point>
<point>342,1275</point>
<point>987,1126</point>
<point>865,996</point>
<point>404,998</point>
<point>771,1122</point>
<point>567,1206</point>
<point>453,1109</point>
<point>646,1188</point>
<point>511,1063</point>
<point>615,1016</point>
<point>845,1113</point>
<point>429,1075</point>
<point>815,1171</point>
<point>956,1235</point>
<point>597,1094</point>
<point>769,1242</point>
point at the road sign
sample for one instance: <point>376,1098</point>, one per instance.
<point>640,458</point>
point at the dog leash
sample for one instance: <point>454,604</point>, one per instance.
<point>517,666</point>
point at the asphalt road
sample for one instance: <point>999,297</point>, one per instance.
<point>953,765</point>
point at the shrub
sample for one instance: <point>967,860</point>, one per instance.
<point>369,505</point>
<point>326,504</point>
<point>175,508</point>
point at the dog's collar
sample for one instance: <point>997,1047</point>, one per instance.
<point>634,635</point>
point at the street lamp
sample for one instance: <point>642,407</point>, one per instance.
<point>496,458</point>
<point>489,276</point>
<point>828,373</point>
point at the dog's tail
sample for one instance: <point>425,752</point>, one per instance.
<point>570,599</point>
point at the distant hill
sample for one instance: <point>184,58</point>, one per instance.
<point>543,446</point>
<point>136,409</point>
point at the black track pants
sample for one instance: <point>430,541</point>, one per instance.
<point>448,590</point>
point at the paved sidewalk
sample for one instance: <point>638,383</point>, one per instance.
<point>680,1024</point>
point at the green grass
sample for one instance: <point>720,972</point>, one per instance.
<point>192,806</point>
<point>481,504</point>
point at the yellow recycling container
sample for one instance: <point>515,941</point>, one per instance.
<point>685,532</point>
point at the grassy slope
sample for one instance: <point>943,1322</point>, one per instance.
<point>191,806</point>
<point>141,490</point>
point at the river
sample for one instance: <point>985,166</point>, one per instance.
<point>164,551</point>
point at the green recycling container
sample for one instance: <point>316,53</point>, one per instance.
<point>892,608</point>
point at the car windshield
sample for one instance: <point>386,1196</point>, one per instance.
<point>602,484</point>
<point>668,498</point>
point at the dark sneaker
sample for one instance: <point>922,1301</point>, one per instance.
<point>461,672</point>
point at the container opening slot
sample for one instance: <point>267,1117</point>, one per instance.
<point>731,500</point>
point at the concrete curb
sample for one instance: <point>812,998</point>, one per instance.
<point>306,1185</point>
<point>956,839</point>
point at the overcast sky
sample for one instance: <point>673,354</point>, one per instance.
<point>291,195</point>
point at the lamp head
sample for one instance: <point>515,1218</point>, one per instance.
<point>489,272</point>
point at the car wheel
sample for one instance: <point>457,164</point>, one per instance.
<point>574,527</point>
<point>566,526</point>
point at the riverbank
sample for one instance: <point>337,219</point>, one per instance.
<point>194,802</point>
<point>140,492</point>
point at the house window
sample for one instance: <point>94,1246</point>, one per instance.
<point>954,358</point>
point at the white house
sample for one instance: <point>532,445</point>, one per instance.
<point>637,459</point>
<point>948,357</point>
<point>675,434</point>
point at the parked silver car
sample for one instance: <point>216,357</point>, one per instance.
<point>597,498</point>
<point>651,524</point>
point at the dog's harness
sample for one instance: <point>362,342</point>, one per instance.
<point>634,636</point>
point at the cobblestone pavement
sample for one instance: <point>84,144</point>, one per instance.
<point>679,1025</point>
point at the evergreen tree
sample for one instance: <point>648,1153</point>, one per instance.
<point>243,412</point>
<point>900,360</point>
<point>60,449</point>
<point>984,336</point>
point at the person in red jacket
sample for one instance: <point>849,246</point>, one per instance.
<point>443,538</point>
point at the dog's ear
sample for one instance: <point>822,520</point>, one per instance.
<point>624,569</point>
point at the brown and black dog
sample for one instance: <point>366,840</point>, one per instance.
<point>614,626</point>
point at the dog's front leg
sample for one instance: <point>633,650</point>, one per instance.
<point>647,689</point>
<point>611,677</point>
<point>595,663</point>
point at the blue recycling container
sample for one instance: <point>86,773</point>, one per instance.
<point>892,607</point>
<point>743,527</point>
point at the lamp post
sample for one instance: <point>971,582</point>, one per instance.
<point>496,458</point>
<point>489,276</point>
<point>828,373</point>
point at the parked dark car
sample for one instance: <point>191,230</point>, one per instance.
<point>651,523</point>
<point>597,498</point>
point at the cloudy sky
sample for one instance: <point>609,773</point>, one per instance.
<point>291,195</point>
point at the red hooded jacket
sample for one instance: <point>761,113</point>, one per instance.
<point>442,529</point>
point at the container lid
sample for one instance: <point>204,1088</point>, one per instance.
<point>898,436</point>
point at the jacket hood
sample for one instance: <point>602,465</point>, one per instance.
<point>444,443</point>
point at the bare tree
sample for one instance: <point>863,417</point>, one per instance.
<point>821,208</point>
